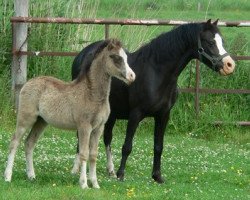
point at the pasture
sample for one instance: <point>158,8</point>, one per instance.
<point>200,161</point>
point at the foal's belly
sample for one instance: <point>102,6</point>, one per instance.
<point>61,122</point>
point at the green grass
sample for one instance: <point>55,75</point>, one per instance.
<point>200,161</point>
<point>193,168</point>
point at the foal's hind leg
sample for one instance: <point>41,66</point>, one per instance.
<point>76,165</point>
<point>93,152</point>
<point>24,123</point>
<point>30,142</point>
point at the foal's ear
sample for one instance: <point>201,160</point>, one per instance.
<point>216,22</point>
<point>111,45</point>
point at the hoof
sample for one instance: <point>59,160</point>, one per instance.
<point>120,176</point>
<point>84,186</point>
<point>158,178</point>
<point>96,186</point>
<point>7,176</point>
<point>7,179</point>
<point>32,178</point>
<point>112,174</point>
<point>74,171</point>
<point>31,175</point>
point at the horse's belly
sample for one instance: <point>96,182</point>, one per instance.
<point>57,115</point>
<point>60,121</point>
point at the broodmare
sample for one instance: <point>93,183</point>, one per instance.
<point>157,66</point>
<point>81,105</point>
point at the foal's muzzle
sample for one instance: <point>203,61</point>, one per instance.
<point>130,76</point>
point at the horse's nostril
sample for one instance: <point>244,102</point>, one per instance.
<point>229,65</point>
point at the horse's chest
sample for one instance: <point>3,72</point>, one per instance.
<point>101,116</point>
<point>156,100</point>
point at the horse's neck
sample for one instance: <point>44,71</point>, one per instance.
<point>97,80</point>
<point>177,47</point>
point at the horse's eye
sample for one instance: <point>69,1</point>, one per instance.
<point>116,58</point>
<point>211,43</point>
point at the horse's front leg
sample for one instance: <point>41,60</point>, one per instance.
<point>84,132</point>
<point>134,118</point>
<point>161,121</point>
<point>93,152</point>
<point>107,137</point>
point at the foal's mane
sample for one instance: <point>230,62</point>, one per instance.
<point>87,62</point>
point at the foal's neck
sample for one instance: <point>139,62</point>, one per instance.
<point>98,80</point>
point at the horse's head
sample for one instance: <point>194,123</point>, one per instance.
<point>211,50</point>
<point>117,64</point>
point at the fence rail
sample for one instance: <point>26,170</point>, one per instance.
<point>16,50</point>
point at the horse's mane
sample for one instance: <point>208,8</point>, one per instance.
<point>168,45</point>
<point>90,57</point>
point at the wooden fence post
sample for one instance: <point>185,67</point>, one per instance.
<point>197,88</point>
<point>19,62</point>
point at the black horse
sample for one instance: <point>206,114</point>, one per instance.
<point>157,66</point>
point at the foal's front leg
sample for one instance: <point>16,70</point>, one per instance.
<point>84,137</point>
<point>94,141</point>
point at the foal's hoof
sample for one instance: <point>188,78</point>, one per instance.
<point>111,173</point>
<point>7,179</point>
<point>120,175</point>
<point>7,176</point>
<point>32,178</point>
<point>158,178</point>
<point>74,171</point>
<point>84,186</point>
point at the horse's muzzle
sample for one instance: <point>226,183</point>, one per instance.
<point>228,66</point>
<point>130,77</point>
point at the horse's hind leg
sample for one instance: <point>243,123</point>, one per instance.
<point>107,141</point>
<point>23,125</point>
<point>93,152</point>
<point>76,166</point>
<point>30,142</point>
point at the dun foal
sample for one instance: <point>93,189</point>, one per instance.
<point>81,105</point>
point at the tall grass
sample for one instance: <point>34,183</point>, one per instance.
<point>60,37</point>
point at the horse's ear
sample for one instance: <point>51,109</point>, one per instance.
<point>209,21</point>
<point>111,45</point>
<point>207,25</point>
<point>216,22</point>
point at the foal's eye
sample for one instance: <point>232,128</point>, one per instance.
<point>116,58</point>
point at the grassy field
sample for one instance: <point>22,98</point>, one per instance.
<point>200,161</point>
<point>193,168</point>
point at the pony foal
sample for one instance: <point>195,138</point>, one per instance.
<point>81,105</point>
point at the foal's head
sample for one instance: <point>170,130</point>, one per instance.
<point>116,61</point>
<point>211,50</point>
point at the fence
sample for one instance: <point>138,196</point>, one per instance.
<point>20,52</point>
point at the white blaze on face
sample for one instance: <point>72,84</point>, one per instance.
<point>130,75</point>
<point>219,44</point>
<point>228,62</point>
